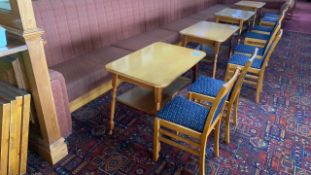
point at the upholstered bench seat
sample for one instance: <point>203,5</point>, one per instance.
<point>141,40</point>
<point>87,71</point>
<point>209,12</point>
<point>180,24</point>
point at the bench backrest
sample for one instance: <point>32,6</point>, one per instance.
<point>75,27</point>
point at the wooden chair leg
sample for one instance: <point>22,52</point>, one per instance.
<point>227,73</point>
<point>216,138</point>
<point>235,112</point>
<point>259,88</point>
<point>228,124</point>
<point>156,142</point>
<point>202,161</point>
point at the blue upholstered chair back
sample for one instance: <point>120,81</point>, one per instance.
<point>222,96</point>
<point>238,84</point>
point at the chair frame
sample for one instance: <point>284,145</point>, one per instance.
<point>262,42</point>
<point>197,146</point>
<point>266,46</point>
<point>255,77</point>
<point>234,98</point>
<point>282,16</point>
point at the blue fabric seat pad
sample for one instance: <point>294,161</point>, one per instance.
<point>248,49</point>
<point>269,19</point>
<point>255,35</point>
<point>206,86</point>
<point>242,60</point>
<point>184,112</point>
<point>263,28</point>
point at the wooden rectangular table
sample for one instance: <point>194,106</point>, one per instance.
<point>234,16</point>
<point>210,33</point>
<point>156,70</point>
<point>252,6</point>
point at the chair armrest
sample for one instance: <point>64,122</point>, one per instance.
<point>61,101</point>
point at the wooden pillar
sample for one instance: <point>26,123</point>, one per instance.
<point>48,142</point>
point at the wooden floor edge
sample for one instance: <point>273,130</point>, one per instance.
<point>89,96</point>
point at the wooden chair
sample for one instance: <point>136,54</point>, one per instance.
<point>248,47</point>
<point>255,76</point>
<point>205,90</point>
<point>260,40</point>
<point>267,30</point>
<point>270,20</point>
<point>181,116</point>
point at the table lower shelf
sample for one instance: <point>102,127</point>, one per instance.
<point>143,99</point>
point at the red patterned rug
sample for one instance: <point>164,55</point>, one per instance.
<point>273,137</point>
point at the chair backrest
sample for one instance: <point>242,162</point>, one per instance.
<point>238,85</point>
<point>218,104</point>
<point>276,29</point>
<point>271,49</point>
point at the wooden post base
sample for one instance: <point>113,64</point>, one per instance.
<point>52,153</point>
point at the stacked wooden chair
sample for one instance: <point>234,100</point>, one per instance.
<point>181,116</point>
<point>256,73</point>
<point>205,89</point>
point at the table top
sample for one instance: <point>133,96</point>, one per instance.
<point>156,65</point>
<point>252,4</point>
<point>211,31</point>
<point>235,14</point>
<point>14,46</point>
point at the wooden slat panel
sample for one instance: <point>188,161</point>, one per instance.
<point>5,113</point>
<point>14,141</point>
<point>177,137</point>
<point>24,134</point>
<point>183,130</point>
<point>182,147</point>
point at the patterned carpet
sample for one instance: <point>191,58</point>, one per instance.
<point>273,137</point>
<point>300,20</point>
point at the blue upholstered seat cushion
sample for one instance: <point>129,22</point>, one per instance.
<point>184,112</point>
<point>272,14</point>
<point>206,86</point>
<point>242,60</point>
<point>258,36</point>
<point>243,48</point>
<point>263,28</point>
<point>269,19</point>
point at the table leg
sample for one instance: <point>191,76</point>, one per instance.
<point>216,53</point>
<point>184,41</point>
<point>195,71</point>
<point>240,31</point>
<point>255,17</point>
<point>158,98</point>
<point>113,102</point>
<point>231,46</point>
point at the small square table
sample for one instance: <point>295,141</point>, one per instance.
<point>210,33</point>
<point>252,6</point>
<point>234,16</point>
<point>156,70</point>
